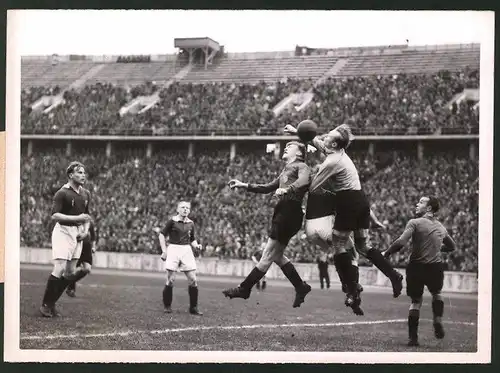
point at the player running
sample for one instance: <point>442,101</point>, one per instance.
<point>178,255</point>
<point>425,268</point>
<point>290,188</point>
<point>337,181</point>
<point>70,211</point>
<point>84,264</point>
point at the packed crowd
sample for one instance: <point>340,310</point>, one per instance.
<point>134,195</point>
<point>398,104</point>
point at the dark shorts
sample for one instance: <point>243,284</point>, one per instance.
<point>287,221</point>
<point>353,211</point>
<point>320,205</point>
<point>86,256</point>
<point>419,275</point>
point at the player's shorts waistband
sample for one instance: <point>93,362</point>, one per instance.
<point>69,224</point>
<point>175,246</point>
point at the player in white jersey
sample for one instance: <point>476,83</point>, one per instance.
<point>337,176</point>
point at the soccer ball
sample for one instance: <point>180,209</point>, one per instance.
<point>307,130</point>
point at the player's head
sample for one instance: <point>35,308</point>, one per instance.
<point>339,138</point>
<point>427,205</point>
<point>76,173</point>
<point>184,208</point>
<point>294,150</point>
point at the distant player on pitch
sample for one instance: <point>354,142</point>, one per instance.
<point>427,235</point>
<point>290,188</point>
<point>178,255</point>
<point>70,211</point>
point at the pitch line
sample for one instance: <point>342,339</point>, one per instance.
<point>219,327</point>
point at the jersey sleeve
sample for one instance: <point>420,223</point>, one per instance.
<point>168,228</point>
<point>264,188</point>
<point>58,202</point>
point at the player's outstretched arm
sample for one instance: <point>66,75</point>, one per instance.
<point>256,188</point>
<point>449,244</point>
<point>402,241</point>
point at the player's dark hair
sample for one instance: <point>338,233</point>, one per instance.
<point>73,166</point>
<point>346,136</point>
<point>434,204</point>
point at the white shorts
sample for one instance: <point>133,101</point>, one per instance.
<point>319,231</point>
<point>180,258</point>
<point>64,243</point>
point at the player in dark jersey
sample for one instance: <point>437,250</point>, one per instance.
<point>178,255</point>
<point>84,264</point>
<point>429,239</point>
<point>256,257</point>
<point>290,188</point>
<point>70,211</point>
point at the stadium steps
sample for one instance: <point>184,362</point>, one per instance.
<point>44,73</point>
<point>80,82</point>
<point>411,62</point>
<point>264,69</point>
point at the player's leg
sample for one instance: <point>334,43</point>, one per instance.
<point>321,277</point>
<point>351,248</point>
<point>174,254</point>
<point>272,251</point>
<point>415,290</point>
<point>168,291</point>
<point>264,283</point>
<point>51,290</point>
<point>83,267</point>
<point>327,277</point>
<point>364,247</point>
<point>435,279</point>
<point>193,292</point>
<point>301,287</point>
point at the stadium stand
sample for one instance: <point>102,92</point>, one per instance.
<point>134,194</point>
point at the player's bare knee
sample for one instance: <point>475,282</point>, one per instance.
<point>362,244</point>
<point>59,268</point>
<point>416,303</point>
<point>86,268</point>
<point>264,264</point>
<point>280,262</point>
<point>339,242</point>
<point>437,296</point>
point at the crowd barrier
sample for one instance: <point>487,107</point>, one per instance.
<point>455,282</point>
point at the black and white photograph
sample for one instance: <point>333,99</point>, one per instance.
<point>249,186</point>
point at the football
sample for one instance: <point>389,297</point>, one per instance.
<point>307,130</point>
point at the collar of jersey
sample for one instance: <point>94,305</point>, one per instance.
<point>178,218</point>
<point>70,187</point>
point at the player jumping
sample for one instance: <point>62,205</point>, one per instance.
<point>290,188</point>
<point>178,255</point>
<point>425,268</point>
<point>338,176</point>
<point>70,211</point>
